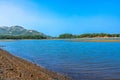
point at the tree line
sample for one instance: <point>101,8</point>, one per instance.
<point>22,37</point>
<point>88,35</point>
<point>61,36</point>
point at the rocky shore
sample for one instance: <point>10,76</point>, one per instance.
<point>15,68</point>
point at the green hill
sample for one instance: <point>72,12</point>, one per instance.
<point>19,32</point>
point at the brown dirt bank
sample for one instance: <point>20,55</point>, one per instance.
<point>94,40</point>
<point>14,68</point>
<point>102,40</point>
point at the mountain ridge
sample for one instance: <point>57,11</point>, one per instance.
<point>20,31</point>
<point>17,30</point>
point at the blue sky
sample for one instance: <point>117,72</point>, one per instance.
<point>54,17</point>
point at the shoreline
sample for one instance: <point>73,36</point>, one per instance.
<point>15,68</point>
<point>95,40</point>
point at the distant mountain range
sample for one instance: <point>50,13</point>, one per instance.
<point>19,30</point>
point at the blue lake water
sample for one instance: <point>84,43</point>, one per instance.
<point>78,60</point>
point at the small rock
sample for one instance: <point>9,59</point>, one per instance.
<point>1,78</point>
<point>1,71</point>
<point>31,75</point>
<point>55,79</point>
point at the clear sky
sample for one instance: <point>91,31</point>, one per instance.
<point>54,17</point>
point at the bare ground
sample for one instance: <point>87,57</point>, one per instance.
<point>14,68</point>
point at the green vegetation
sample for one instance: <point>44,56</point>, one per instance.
<point>66,36</point>
<point>19,32</point>
<point>22,37</point>
<point>88,35</point>
<point>61,36</point>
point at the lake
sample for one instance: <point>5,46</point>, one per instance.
<point>78,60</point>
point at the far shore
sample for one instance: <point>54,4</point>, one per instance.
<point>111,39</point>
<point>6,40</point>
<point>94,39</point>
<point>15,68</point>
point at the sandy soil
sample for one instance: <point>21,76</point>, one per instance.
<point>95,40</point>
<point>14,68</point>
<point>101,41</point>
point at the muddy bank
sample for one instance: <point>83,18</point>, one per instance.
<point>14,68</point>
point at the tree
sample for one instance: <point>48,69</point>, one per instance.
<point>66,35</point>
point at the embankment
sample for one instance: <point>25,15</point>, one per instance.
<point>15,68</point>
